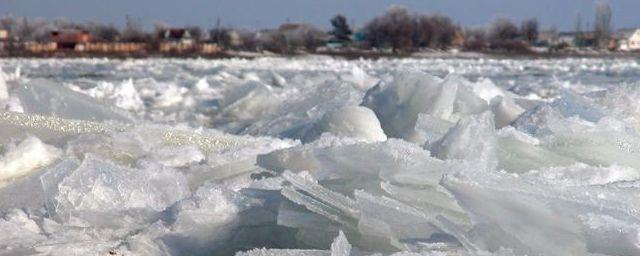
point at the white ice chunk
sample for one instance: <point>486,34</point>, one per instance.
<point>472,139</point>
<point>487,90</point>
<point>105,194</point>
<point>44,97</point>
<point>431,129</point>
<point>126,96</point>
<point>505,110</point>
<point>581,174</point>
<point>356,122</point>
<point>283,252</point>
<point>340,246</point>
<point>25,157</point>
<point>397,104</point>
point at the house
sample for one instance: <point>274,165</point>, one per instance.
<point>566,38</point>
<point>176,35</point>
<point>70,39</point>
<point>630,41</point>
<point>4,35</point>
<point>176,40</point>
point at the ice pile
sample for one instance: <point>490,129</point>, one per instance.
<point>318,157</point>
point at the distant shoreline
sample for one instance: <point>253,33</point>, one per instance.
<point>350,55</point>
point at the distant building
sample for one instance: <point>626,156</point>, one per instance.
<point>577,39</point>
<point>4,35</point>
<point>176,40</point>
<point>176,35</point>
<point>566,38</point>
<point>548,38</point>
<point>70,39</point>
<point>629,41</point>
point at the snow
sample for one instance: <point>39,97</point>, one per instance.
<point>320,156</point>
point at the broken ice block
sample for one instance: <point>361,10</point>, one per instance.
<point>473,139</point>
<point>25,157</point>
<point>108,195</point>
<point>352,121</point>
<point>397,104</point>
<point>47,98</point>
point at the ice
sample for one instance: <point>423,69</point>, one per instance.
<point>584,175</point>
<point>505,110</point>
<point>461,142</point>
<point>320,156</point>
<point>398,103</point>
<point>19,233</point>
<point>487,90</point>
<point>431,129</point>
<point>104,194</point>
<point>518,212</point>
<point>518,152</point>
<point>283,252</point>
<point>353,121</point>
<point>4,93</point>
<point>25,157</point>
<point>124,95</point>
<point>44,97</point>
<point>340,246</point>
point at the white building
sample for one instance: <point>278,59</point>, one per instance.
<point>632,43</point>
<point>4,34</point>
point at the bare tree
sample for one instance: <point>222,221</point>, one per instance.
<point>602,24</point>
<point>529,29</point>
<point>423,33</point>
<point>393,29</point>
<point>105,33</point>
<point>444,32</point>
<point>503,30</point>
<point>221,36</point>
<point>475,39</point>
<point>134,32</point>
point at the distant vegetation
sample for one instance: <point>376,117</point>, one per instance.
<point>398,30</point>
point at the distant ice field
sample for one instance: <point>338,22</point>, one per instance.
<point>320,156</point>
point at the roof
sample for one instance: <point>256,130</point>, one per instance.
<point>176,33</point>
<point>70,36</point>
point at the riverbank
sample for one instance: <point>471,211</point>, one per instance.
<point>345,54</point>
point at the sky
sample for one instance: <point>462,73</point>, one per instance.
<point>258,14</point>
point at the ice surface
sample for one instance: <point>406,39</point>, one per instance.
<point>103,194</point>
<point>461,142</point>
<point>47,98</point>
<point>353,121</point>
<point>24,158</point>
<point>320,156</point>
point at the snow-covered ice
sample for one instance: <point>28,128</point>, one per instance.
<point>320,156</point>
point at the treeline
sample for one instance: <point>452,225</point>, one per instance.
<point>396,30</point>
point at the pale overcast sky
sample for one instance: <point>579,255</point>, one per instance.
<point>270,13</point>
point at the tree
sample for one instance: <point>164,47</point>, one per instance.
<point>106,33</point>
<point>444,32</point>
<point>341,30</point>
<point>133,31</point>
<point>393,29</point>
<point>529,29</point>
<point>423,33</point>
<point>503,30</point>
<point>602,24</point>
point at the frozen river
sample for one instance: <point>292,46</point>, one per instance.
<point>320,156</point>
